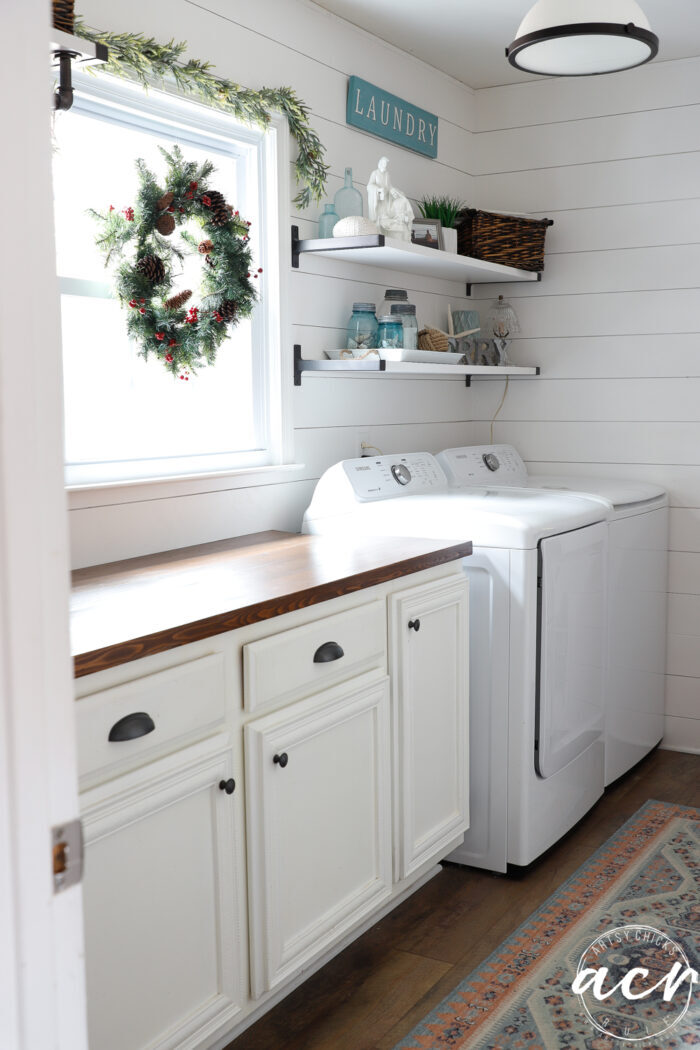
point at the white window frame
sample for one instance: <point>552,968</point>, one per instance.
<point>163,106</point>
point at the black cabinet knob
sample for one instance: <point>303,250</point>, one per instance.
<point>229,786</point>
<point>327,652</point>
<point>414,625</point>
<point>281,760</point>
<point>131,727</point>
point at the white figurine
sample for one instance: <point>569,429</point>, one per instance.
<point>389,208</point>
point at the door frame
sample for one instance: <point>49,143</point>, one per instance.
<point>42,1003</point>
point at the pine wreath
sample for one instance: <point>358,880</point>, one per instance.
<point>139,239</point>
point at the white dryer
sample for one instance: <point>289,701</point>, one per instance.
<point>637,513</point>
<point>537,644</point>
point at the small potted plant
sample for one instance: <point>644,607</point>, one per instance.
<point>447,210</point>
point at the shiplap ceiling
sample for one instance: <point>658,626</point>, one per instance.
<point>467,38</point>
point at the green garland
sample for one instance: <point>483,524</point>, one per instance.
<point>135,57</point>
<point>158,322</point>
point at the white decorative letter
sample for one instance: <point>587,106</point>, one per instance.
<point>357,104</point>
<point>421,130</point>
<point>383,104</point>
<point>371,111</point>
<point>398,118</point>
<point>409,130</point>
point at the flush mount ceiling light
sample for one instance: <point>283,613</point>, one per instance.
<point>579,38</point>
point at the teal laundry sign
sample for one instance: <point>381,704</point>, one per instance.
<point>372,109</point>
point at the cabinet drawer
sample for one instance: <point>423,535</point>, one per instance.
<point>181,703</point>
<point>293,664</point>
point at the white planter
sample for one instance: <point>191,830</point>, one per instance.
<point>449,240</point>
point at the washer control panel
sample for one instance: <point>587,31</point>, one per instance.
<point>483,465</point>
<point>389,477</point>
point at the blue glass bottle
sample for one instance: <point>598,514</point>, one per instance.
<point>348,200</point>
<point>327,221</point>
<point>362,327</point>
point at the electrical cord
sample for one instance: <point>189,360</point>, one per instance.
<point>500,406</point>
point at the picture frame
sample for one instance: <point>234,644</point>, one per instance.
<point>427,232</point>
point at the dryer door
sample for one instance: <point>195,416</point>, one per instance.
<point>572,632</point>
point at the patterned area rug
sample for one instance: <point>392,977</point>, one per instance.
<point>635,904</point>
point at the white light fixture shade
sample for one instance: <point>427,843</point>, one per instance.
<point>573,38</point>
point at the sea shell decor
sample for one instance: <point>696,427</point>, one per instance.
<point>354,226</point>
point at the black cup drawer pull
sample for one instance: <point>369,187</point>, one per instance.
<point>414,625</point>
<point>327,652</point>
<point>281,760</point>
<point>229,786</point>
<point>131,727</point>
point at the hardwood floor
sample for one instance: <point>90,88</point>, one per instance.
<point>374,992</point>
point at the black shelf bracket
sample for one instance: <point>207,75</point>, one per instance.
<point>302,365</point>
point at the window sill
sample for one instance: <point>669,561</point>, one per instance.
<point>142,489</point>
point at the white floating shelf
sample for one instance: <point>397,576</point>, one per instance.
<point>391,254</point>
<point>371,368</point>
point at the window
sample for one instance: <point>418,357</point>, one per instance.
<point>127,419</point>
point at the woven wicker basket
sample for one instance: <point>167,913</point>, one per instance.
<point>63,15</point>
<point>505,239</point>
<point>433,339</point>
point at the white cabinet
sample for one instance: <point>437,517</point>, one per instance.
<point>429,676</point>
<point>163,905</point>
<point>319,824</point>
<point>350,786</point>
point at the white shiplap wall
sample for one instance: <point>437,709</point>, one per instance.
<point>278,42</point>
<point>615,161</point>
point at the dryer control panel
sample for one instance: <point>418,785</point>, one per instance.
<point>479,465</point>
<point>389,477</point>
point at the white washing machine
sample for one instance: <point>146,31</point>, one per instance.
<point>637,514</point>
<point>537,640</point>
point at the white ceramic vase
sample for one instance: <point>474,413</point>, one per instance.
<point>449,240</point>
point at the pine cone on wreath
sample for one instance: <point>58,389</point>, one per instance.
<point>175,302</point>
<point>165,201</point>
<point>227,310</point>
<point>219,208</point>
<point>204,247</point>
<point>152,268</point>
<point>165,224</point>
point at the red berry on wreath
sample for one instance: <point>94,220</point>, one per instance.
<point>168,358</point>
<point>171,208</point>
<point>160,336</point>
<point>181,210</point>
<point>172,343</point>
<point>142,311</point>
<point>260,270</point>
<point>129,214</point>
<point>142,300</point>
<point>194,185</point>
<point>111,207</point>
<point>206,201</point>
<point>235,213</point>
<point>189,196</point>
<point>132,303</point>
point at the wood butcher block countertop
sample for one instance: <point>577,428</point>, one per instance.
<point>130,609</point>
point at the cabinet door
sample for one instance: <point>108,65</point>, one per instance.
<point>163,903</point>
<point>429,676</point>
<point>319,824</point>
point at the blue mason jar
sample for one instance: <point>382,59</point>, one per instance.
<point>390,336</point>
<point>362,327</point>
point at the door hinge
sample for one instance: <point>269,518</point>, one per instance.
<point>67,855</point>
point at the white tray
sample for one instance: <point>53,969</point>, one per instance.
<point>418,357</point>
<point>424,357</point>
